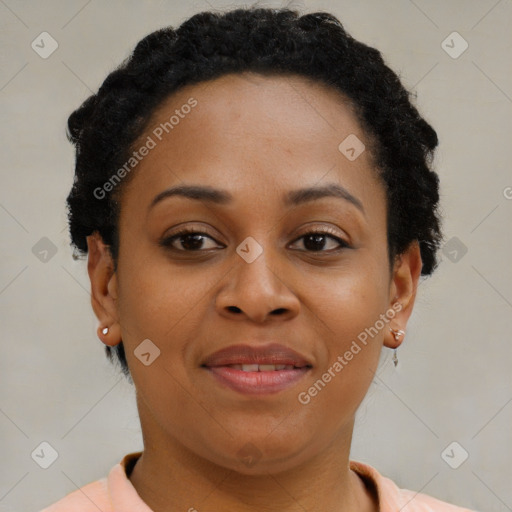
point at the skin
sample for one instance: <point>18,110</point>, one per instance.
<point>258,138</point>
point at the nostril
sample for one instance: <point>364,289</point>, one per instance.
<point>279,311</point>
<point>234,309</point>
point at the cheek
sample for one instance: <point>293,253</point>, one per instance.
<point>346,311</point>
<point>164,305</point>
<point>158,298</point>
<point>348,358</point>
<point>345,301</point>
<point>168,305</point>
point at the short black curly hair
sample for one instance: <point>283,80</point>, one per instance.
<point>268,41</point>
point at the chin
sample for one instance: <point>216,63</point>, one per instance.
<point>261,455</point>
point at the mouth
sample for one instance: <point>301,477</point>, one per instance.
<point>262,367</point>
<point>257,370</point>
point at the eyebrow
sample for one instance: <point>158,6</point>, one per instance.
<point>292,198</point>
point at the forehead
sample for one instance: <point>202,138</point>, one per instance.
<point>254,135</point>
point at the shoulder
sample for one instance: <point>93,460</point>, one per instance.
<point>418,502</point>
<point>89,498</point>
<point>111,493</point>
<point>392,498</point>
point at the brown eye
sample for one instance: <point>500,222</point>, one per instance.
<point>316,241</point>
<point>189,239</point>
<point>194,241</point>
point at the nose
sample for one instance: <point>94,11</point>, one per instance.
<point>256,291</point>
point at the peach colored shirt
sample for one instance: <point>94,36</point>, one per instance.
<point>116,493</point>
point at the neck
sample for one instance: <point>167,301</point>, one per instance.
<point>169,477</point>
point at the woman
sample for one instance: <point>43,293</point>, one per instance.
<point>255,196</point>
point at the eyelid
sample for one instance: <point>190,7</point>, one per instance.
<point>329,233</point>
<point>305,231</point>
<point>167,240</point>
<point>322,229</point>
<point>186,228</point>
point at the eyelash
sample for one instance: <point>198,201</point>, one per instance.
<point>167,241</point>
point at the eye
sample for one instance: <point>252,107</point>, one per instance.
<point>192,240</point>
<point>315,241</point>
<point>189,239</point>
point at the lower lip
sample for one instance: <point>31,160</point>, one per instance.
<point>258,383</point>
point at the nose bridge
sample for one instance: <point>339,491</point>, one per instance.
<point>254,268</point>
<point>255,286</point>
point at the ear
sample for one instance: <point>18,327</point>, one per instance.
<point>100,267</point>
<point>404,284</point>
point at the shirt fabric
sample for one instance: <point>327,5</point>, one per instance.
<point>115,493</point>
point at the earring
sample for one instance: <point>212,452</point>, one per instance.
<point>105,330</point>
<point>396,333</point>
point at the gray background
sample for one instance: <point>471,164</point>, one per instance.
<point>453,382</point>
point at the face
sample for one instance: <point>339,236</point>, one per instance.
<point>295,278</point>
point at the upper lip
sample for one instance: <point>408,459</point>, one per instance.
<point>273,353</point>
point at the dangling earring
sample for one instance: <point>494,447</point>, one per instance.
<point>396,333</point>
